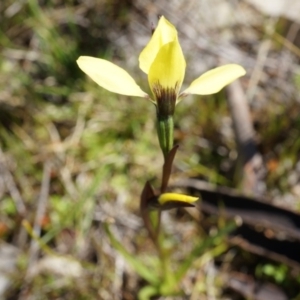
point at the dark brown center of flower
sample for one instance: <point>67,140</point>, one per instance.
<point>165,99</point>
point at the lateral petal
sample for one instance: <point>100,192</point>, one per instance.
<point>110,76</point>
<point>214,80</point>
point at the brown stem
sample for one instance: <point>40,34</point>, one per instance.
<point>167,168</point>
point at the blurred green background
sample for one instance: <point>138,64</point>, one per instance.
<point>81,155</point>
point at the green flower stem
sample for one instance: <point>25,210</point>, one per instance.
<point>165,132</point>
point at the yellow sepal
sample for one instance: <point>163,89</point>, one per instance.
<point>110,76</point>
<point>214,80</point>
<point>164,33</point>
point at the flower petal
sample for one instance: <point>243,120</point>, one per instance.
<point>164,33</point>
<point>110,76</point>
<point>214,80</point>
<point>168,68</point>
<point>173,197</point>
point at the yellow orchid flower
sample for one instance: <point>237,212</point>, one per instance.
<point>163,61</point>
<point>167,197</point>
<point>167,201</point>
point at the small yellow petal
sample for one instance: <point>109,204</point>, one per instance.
<point>110,76</point>
<point>164,33</point>
<point>168,68</point>
<point>214,80</point>
<point>173,197</point>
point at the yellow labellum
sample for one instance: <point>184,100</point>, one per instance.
<point>168,68</point>
<point>174,197</point>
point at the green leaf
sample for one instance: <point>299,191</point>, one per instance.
<point>147,292</point>
<point>200,249</point>
<point>135,263</point>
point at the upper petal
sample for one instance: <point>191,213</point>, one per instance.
<point>110,76</point>
<point>164,33</point>
<point>168,68</point>
<point>214,80</point>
